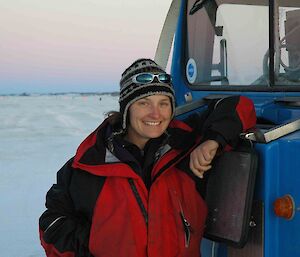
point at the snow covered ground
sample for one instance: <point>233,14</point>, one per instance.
<point>37,135</point>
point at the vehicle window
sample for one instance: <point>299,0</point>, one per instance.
<point>228,42</point>
<point>287,65</point>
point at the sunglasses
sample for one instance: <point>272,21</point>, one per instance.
<point>146,78</point>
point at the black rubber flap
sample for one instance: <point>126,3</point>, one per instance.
<point>229,197</point>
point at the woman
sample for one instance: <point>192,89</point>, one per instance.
<point>131,188</point>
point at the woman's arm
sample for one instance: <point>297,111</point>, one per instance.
<point>221,126</point>
<point>63,232</point>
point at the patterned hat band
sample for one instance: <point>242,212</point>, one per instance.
<point>133,89</point>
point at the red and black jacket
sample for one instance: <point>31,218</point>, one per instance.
<point>101,205</point>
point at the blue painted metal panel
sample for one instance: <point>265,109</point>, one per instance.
<point>280,175</point>
<point>288,181</point>
<point>178,61</point>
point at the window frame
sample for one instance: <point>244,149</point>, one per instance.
<point>271,87</point>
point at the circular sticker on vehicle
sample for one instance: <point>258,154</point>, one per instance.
<point>191,70</point>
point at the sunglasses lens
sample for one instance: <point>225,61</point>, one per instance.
<point>164,78</point>
<point>144,78</point>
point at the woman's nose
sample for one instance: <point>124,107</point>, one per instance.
<point>155,112</point>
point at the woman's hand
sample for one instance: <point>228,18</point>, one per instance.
<point>202,156</point>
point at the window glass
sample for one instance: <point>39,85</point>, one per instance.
<point>287,61</point>
<point>228,42</point>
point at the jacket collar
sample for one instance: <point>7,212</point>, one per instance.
<point>95,153</point>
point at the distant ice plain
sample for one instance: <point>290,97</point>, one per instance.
<point>38,134</point>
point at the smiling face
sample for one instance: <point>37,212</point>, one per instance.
<point>149,117</point>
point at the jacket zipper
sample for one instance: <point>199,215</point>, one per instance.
<point>186,226</point>
<point>187,229</point>
<point>139,200</point>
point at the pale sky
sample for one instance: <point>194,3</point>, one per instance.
<point>74,45</point>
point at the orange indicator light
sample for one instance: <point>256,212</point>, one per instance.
<point>284,207</point>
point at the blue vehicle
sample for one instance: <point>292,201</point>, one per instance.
<point>252,48</point>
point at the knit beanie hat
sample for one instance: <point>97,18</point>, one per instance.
<point>131,92</point>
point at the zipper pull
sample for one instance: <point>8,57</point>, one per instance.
<point>187,230</point>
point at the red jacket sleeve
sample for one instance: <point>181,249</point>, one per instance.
<point>228,118</point>
<point>63,232</point>
<point>246,112</point>
<point>225,119</point>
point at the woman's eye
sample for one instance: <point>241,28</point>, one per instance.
<point>165,104</point>
<point>142,103</point>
